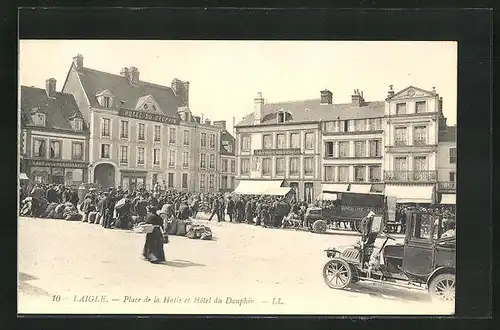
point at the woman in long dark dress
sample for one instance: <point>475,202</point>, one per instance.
<point>153,247</point>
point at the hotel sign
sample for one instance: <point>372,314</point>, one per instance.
<point>277,152</point>
<point>148,116</point>
<point>53,163</point>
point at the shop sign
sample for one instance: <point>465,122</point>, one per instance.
<point>148,116</point>
<point>52,163</point>
<point>277,152</point>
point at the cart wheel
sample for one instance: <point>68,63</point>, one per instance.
<point>319,226</point>
<point>357,226</point>
<point>337,273</point>
<point>442,288</point>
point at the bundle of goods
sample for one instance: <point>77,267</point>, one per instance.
<point>42,206</point>
<point>49,211</point>
<point>71,213</point>
<point>59,211</point>
<point>199,232</point>
<point>26,206</point>
<point>144,228</point>
<point>92,217</point>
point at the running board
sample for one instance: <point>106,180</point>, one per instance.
<point>410,285</point>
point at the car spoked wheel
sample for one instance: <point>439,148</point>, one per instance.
<point>337,273</point>
<point>442,288</point>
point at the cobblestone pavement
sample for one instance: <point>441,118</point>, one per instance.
<point>66,267</point>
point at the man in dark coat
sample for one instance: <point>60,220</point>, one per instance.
<point>222,207</point>
<point>215,210</point>
<point>87,207</point>
<point>183,213</point>
<point>230,209</point>
<point>141,209</point>
<point>108,207</point>
<point>51,195</point>
<point>248,211</point>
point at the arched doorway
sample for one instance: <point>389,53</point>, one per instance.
<point>104,174</point>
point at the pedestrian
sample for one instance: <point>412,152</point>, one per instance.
<point>153,246</point>
<point>230,209</point>
<point>222,207</point>
<point>87,207</point>
<point>215,210</point>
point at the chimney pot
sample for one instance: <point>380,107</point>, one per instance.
<point>357,98</point>
<point>390,93</point>
<point>124,72</point>
<point>326,97</point>
<point>207,121</point>
<point>50,87</point>
<point>78,62</point>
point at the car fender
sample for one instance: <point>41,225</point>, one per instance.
<point>439,270</point>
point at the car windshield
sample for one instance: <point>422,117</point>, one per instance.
<point>444,228</point>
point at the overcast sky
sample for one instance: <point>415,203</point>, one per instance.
<point>225,76</point>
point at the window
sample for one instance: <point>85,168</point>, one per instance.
<point>309,166</point>
<point>211,163</point>
<point>39,119</point>
<point>106,101</point>
<point>203,161</point>
<point>294,165</point>
<point>140,155</point>
<point>309,141</point>
<point>77,150</point>
<point>266,166</point>
<point>224,182</point>
<point>156,156</point>
<point>400,108</point>
<point>123,154</point>
<point>330,126</point>
<point>105,150</point>
<point>155,178</point>
<point>360,149</point>
<point>185,159</point>
<point>185,138</point>
<point>203,140</point>
<point>375,173</point>
<point>375,150</point>
<point>39,148</point>
<point>453,155</point>
<point>233,166</point>
<point>374,124</point>
<point>420,107</point>
<point>184,180</point>
<point>295,140</point>
<point>344,149</point>
<point>452,176</point>
<point>105,126</point>
<point>344,126</point>
<point>330,173</point>
<point>419,135</point>
<point>245,143</point>
<point>280,141</point>
<point>281,117</point>
<point>419,163</point>
<point>211,181</point>
<point>359,173</point>
<point>157,135</point>
<point>202,181</point>
<point>400,136</point>
<point>329,147</point>
<point>170,180</point>
<point>77,124</point>
<point>171,158</point>
<point>124,129</point>
<point>141,132</point>
<point>400,164</point>
<point>267,141</point>
<point>245,166</point>
<point>171,135</point>
<point>359,125</point>
<point>212,141</point>
<point>224,165</point>
<point>280,166</point>
<point>55,149</point>
<point>343,175</point>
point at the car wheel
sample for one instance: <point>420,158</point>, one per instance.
<point>442,288</point>
<point>337,273</point>
<point>319,226</point>
<point>357,226</point>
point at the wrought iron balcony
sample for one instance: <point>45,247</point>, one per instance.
<point>447,186</point>
<point>410,176</point>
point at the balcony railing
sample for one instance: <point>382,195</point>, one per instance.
<point>410,176</point>
<point>447,186</point>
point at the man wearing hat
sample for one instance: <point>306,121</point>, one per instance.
<point>366,224</point>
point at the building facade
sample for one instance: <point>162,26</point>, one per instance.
<point>143,133</point>
<point>447,164</point>
<point>54,137</point>
<point>227,158</point>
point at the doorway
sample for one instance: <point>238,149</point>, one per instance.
<point>104,174</point>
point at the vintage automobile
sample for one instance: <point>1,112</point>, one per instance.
<point>347,211</point>
<point>426,259</point>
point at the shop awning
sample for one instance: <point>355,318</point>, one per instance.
<point>411,194</point>
<point>448,199</point>
<point>23,176</point>
<point>328,196</point>
<point>334,187</point>
<point>258,187</point>
<point>361,188</point>
<point>277,191</point>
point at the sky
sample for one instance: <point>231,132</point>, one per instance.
<point>225,76</point>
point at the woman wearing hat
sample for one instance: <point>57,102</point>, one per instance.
<point>153,247</point>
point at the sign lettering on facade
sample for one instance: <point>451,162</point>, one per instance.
<point>58,164</point>
<point>269,152</point>
<point>148,116</point>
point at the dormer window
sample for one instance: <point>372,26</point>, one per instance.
<point>39,119</point>
<point>78,124</point>
<point>106,101</point>
<point>145,106</point>
<point>283,116</point>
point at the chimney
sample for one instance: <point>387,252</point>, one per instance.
<point>390,93</point>
<point>78,62</point>
<point>440,105</point>
<point>133,75</point>
<point>197,119</point>
<point>357,98</point>
<point>326,97</point>
<point>258,107</point>
<point>221,124</point>
<point>124,73</point>
<point>181,88</point>
<point>50,87</point>
<point>207,121</point>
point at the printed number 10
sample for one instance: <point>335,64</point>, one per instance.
<point>56,298</point>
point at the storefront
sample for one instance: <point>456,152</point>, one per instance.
<point>68,173</point>
<point>131,180</point>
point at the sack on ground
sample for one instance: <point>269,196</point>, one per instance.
<point>92,217</point>
<point>181,228</point>
<point>172,227</point>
